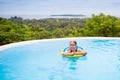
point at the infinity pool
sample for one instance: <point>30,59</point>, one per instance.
<point>41,60</point>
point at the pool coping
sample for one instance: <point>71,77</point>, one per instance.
<point>3,47</point>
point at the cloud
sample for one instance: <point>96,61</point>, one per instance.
<point>58,6</point>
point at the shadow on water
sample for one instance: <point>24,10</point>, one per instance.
<point>73,61</point>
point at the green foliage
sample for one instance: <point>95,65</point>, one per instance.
<point>102,25</point>
<point>17,29</point>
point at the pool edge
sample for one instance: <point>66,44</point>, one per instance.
<point>3,47</point>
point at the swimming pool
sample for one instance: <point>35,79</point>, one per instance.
<point>41,60</point>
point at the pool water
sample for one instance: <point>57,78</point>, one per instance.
<point>41,60</point>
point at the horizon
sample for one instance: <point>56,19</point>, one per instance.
<point>45,16</point>
<point>51,16</point>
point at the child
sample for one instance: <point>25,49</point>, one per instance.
<point>73,49</point>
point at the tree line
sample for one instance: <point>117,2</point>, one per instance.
<point>17,29</point>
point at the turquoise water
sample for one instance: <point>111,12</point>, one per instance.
<point>41,61</point>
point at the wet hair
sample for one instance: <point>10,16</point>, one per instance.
<point>74,42</point>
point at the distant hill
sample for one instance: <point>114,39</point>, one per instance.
<point>72,15</point>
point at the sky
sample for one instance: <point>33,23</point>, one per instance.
<point>49,7</point>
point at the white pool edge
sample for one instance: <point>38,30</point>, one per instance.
<point>3,47</point>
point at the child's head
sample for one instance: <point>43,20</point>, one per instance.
<point>73,45</point>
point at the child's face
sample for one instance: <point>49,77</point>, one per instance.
<point>72,46</point>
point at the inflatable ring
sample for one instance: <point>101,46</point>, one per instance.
<point>73,55</point>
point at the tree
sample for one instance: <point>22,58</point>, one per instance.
<point>100,25</point>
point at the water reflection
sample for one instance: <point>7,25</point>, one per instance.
<point>73,61</point>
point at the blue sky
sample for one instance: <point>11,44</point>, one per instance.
<point>48,7</point>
